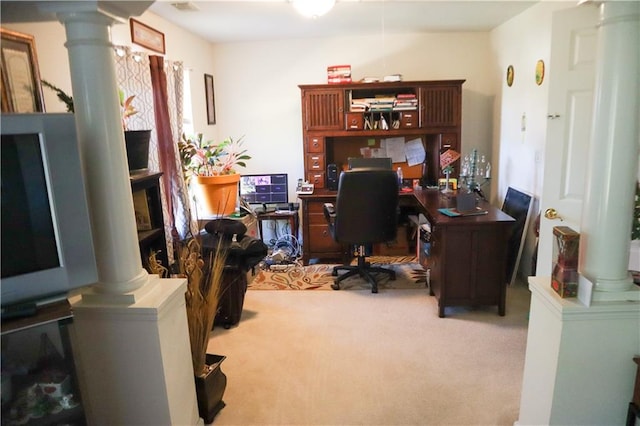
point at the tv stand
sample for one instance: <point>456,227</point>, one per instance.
<point>35,342</point>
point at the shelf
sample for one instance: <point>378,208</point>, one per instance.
<point>147,236</point>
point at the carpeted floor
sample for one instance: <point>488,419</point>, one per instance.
<point>409,275</point>
<point>336,358</point>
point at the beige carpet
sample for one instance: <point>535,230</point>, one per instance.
<point>409,275</point>
<point>357,358</point>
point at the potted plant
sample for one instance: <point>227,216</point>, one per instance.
<point>136,141</point>
<point>204,276</point>
<point>211,166</point>
<point>204,289</point>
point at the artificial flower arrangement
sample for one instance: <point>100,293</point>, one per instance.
<point>200,158</point>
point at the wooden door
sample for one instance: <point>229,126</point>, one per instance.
<point>571,97</point>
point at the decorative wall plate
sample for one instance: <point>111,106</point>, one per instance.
<point>510,75</point>
<point>539,72</point>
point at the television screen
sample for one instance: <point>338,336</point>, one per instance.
<point>264,189</point>
<point>28,236</point>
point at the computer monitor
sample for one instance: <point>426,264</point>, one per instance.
<point>264,188</point>
<point>376,163</point>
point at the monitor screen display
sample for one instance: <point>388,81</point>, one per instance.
<point>264,189</point>
<point>376,163</point>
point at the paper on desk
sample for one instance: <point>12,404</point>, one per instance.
<point>394,148</point>
<point>414,151</point>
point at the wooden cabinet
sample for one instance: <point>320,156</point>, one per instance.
<point>336,127</point>
<point>145,187</point>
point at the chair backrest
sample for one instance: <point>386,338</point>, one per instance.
<point>366,206</point>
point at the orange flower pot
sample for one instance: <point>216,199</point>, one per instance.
<point>219,193</point>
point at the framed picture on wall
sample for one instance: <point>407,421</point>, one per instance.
<point>210,99</point>
<point>146,36</point>
<point>21,87</point>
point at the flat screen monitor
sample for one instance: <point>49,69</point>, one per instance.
<point>375,163</point>
<point>264,189</point>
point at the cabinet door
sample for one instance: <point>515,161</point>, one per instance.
<point>323,109</point>
<point>440,106</point>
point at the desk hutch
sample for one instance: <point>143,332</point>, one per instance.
<point>332,133</point>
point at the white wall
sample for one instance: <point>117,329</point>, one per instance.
<point>521,42</point>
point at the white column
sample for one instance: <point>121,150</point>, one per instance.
<point>101,137</point>
<point>129,335</point>
<point>605,231</point>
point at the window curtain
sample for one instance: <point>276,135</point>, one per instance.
<point>157,84</point>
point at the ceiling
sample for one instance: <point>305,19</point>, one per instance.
<point>244,20</point>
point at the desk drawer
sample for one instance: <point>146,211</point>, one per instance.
<point>316,178</point>
<point>316,162</point>
<point>354,121</point>
<point>315,144</point>
<point>321,240</point>
<point>316,214</point>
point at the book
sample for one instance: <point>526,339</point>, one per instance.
<point>453,212</point>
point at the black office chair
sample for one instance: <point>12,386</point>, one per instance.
<point>366,212</point>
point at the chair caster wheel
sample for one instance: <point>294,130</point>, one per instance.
<point>334,273</point>
<point>335,286</point>
<point>374,290</point>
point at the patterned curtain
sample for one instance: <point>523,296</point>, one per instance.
<point>134,77</point>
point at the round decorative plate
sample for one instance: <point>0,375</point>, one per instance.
<point>539,72</point>
<point>510,75</point>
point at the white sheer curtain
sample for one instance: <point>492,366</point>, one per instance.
<point>134,78</point>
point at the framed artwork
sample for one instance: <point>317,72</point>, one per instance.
<point>510,75</point>
<point>21,87</point>
<point>539,72</point>
<point>146,36</point>
<point>210,99</point>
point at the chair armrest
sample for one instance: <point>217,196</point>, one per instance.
<point>329,212</point>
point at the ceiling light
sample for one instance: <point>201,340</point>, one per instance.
<point>313,8</point>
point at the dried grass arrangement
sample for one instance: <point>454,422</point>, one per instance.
<point>204,289</point>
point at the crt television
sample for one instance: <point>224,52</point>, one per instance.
<point>264,189</point>
<point>46,242</point>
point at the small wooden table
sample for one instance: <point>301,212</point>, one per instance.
<point>291,216</point>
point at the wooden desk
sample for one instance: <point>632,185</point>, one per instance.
<point>291,216</point>
<point>468,257</point>
<point>468,254</point>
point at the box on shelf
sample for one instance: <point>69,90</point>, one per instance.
<point>564,279</point>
